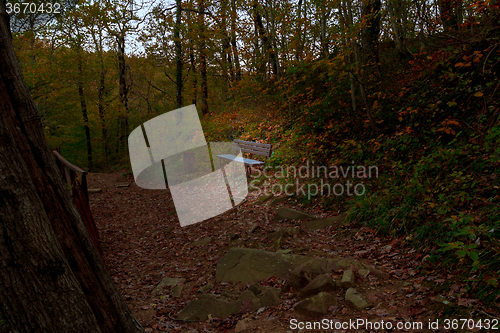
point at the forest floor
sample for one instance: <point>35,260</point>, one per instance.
<point>143,242</point>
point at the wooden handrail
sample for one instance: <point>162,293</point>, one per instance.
<point>76,179</point>
<point>68,169</point>
<point>67,163</point>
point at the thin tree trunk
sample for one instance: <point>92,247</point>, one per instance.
<point>399,26</point>
<point>346,20</point>
<point>272,28</point>
<point>194,78</point>
<point>260,65</point>
<point>360,74</point>
<point>192,63</point>
<point>234,47</point>
<point>226,61</point>
<point>51,279</point>
<point>123,127</point>
<point>178,54</point>
<point>100,101</point>
<point>261,55</point>
<point>203,58</point>
<point>268,50</point>
<point>101,90</point>
<point>323,34</point>
<point>83,105</point>
<point>298,50</point>
<point>371,30</point>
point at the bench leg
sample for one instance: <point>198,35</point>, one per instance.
<point>248,170</point>
<point>224,176</point>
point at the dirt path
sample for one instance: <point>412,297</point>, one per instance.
<point>143,243</point>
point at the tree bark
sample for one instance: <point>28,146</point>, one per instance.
<point>298,37</point>
<point>371,30</point>
<point>194,80</point>
<point>226,61</point>
<point>100,101</point>
<point>399,26</point>
<point>361,73</point>
<point>51,277</point>
<point>203,58</point>
<point>178,53</point>
<point>234,47</point>
<point>83,105</point>
<point>123,90</point>
<point>101,90</point>
<point>346,20</point>
<point>268,51</point>
<point>323,34</point>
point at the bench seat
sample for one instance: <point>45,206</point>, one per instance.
<point>247,161</point>
<point>248,147</point>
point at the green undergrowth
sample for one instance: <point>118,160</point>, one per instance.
<point>440,190</point>
<point>437,151</point>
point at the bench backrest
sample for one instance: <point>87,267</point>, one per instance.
<point>262,149</point>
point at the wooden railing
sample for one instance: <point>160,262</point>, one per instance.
<point>76,180</point>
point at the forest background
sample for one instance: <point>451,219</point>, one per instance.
<point>409,86</point>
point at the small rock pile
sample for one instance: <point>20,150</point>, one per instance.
<point>310,278</point>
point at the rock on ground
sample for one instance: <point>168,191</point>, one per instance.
<point>222,306</point>
<point>167,282</point>
<point>317,305</point>
<point>209,304</point>
<point>348,279</point>
<point>251,265</point>
<point>321,283</point>
<point>356,299</point>
<point>323,223</point>
<point>291,214</point>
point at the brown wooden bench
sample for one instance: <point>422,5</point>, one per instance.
<point>250,148</point>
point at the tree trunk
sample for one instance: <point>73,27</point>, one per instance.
<point>260,65</point>
<point>178,53</point>
<point>203,58</point>
<point>360,72</point>
<point>51,277</point>
<point>226,61</point>
<point>124,89</point>
<point>101,90</point>
<point>298,47</point>
<point>83,105</point>
<point>234,47</point>
<point>100,101</point>
<point>345,20</point>
<point>271,32</point>
<point>268,50</point>
<point>260,56</point>
<point>323,35</point>
<point>371,30</point>
<point>192,64</point>
<point>399,26</point>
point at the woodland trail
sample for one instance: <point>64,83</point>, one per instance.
<point>143,243</point>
